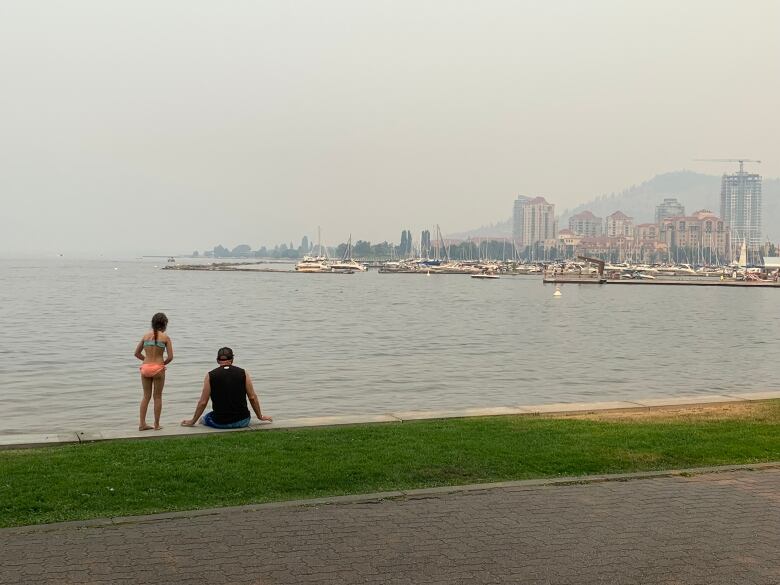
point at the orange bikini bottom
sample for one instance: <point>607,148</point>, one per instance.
<point>151,370</point>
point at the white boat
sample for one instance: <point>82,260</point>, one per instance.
<point>347,264</point>
<point>675,270</point>
<point>313,264</point>
<point>486,276</point>
<point>318,263</point>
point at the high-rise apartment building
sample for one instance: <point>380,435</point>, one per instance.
<point>533,221</point>
<point>586,224</point>
<point>619,224</point>
<point>517,217</point>
<point>669,208</point>
<point>740,207</point>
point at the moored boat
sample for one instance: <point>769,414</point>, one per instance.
<point>313,264</point>
<point>347,264</point>
<point>486,276</point>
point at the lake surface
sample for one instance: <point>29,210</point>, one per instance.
<point>364,343</point>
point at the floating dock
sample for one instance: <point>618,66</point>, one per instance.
<point>702,282</point>
<point>575,279</point>
<point>240,268</point>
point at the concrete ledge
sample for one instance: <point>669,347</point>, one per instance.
<point>689,400</point>
<point>329,421</point>
<point>768,395</point>
<point>467,412</point>
<point>578,407</point>
<point>26,441</point>
<point>168,431</point>
<point>562,408</point>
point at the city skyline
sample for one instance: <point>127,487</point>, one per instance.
<point>256,122</point>
<point>541,218</point>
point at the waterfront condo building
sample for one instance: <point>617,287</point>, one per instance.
<point>617,249</point>
<point>586,224</point>
<point>647,243</point>
<point>701,238</point>
<point>646,233</point>
<point>619,224</point>
<point>533,221</point>
<point>669,208</point>
<point>740,207</point>
<point>568,242</point>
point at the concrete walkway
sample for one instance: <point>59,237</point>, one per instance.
<point>561,408</point>
<point>711,527</point>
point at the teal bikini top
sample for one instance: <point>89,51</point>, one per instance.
<point>152,343</point>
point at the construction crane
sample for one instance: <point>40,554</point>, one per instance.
<point>741,161</point>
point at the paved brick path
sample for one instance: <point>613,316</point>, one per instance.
<point>704,529</point>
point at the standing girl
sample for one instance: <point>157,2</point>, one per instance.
<point>150,350</point>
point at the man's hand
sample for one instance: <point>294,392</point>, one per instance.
<point>188,422</point>
<point>265,418</point>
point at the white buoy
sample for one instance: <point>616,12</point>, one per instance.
<point>115,268</point>
<point>557,292</point>
<point>428,273</point>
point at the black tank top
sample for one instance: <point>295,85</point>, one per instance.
<point>228,394</point>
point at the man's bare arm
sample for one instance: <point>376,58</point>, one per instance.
<point>202,404</point>
<point>254,400</point>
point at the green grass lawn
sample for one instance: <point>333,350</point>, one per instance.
<point>139,477</point>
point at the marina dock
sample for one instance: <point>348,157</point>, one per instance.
<point>242,268</point>
<point>575,279</point>
<point>702,281</point>
<point>548,277</point>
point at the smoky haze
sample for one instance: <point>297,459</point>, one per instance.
<point>162,127</point>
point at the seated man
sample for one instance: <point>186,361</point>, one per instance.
<point>228,386</point>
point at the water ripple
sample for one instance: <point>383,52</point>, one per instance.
<point>365,343</point>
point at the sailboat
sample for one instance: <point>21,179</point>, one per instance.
<point>742,262</point>
<point>317,263</point>
<point>346,263</point>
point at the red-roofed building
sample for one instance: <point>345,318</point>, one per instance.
<point>568,238</point>
<point>700,238</point>
<point>646,233</point>
<point>586,224</point>
<point>619,224</point>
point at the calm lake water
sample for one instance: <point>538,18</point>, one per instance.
<point>364,343</point>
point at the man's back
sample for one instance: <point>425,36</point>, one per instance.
<point>228,394</point>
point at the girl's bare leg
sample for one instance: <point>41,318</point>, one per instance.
<point>159,382</point>
<point>146,383</point>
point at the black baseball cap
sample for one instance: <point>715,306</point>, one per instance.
<point>224,354</point>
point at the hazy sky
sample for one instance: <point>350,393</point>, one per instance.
<point>162,127</point>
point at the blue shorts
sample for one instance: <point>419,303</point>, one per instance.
<point>208,420</point>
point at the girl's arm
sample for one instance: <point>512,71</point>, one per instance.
<point>139,350</point>
<point>169,349</point>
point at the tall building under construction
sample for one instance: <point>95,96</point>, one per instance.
<point>740,207</point>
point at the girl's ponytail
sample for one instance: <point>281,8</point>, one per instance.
<point>159,323</point>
